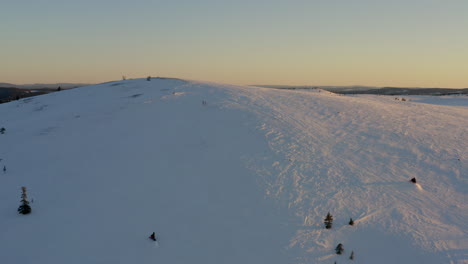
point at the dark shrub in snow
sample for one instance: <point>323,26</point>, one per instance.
<point>24,207</point>
<point>328,221</point>
<point>339,249</point>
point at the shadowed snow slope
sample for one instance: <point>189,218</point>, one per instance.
<point>247,177</point>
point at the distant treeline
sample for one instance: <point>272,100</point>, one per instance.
<point>405,91</point>
<point>375,90</point>
<point>10,94</point>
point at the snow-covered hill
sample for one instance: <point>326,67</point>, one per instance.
<point>246,177</point>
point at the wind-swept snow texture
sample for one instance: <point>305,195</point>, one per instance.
<point>247,177</point>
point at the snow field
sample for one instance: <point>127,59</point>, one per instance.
<point>246,178</point>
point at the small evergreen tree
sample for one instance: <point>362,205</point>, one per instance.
<point>2,130</point>
<point>339,249</point>
<point>328,221</point>
<point>351,222</point>
<point>352,255</point>
<point>24,207</point>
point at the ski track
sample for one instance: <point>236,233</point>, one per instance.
<point>339,152</point>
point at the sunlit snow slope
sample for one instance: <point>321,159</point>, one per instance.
<point>247,177</point>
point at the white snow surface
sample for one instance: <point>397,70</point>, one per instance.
<point>247,178</point>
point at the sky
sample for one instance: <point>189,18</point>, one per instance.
<point>412,43</point>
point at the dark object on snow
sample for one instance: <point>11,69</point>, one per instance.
<point>148,78</point>
<point>328,221</point>
<point>339,249</point>
<point>352,255</point>
<point>4,168</point>
<point>2,130</point>
<point>24,207</point>
<point>153,236</point>
<point>351,222</point>
<point>413,180</point>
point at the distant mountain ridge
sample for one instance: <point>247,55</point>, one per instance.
<point>43,85</point>
<point>357,89</point>
<point>10,92</point>
<point>402,91</point>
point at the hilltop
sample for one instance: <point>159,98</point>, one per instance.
<point>232,174</point>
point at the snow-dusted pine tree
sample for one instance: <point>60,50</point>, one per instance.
<point>24,207</point>
<point>328,221</point>
<point>339,249</point>
<point>351,222</point>
<point>352,255</point>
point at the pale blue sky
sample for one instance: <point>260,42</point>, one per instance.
<point>328,42</point>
